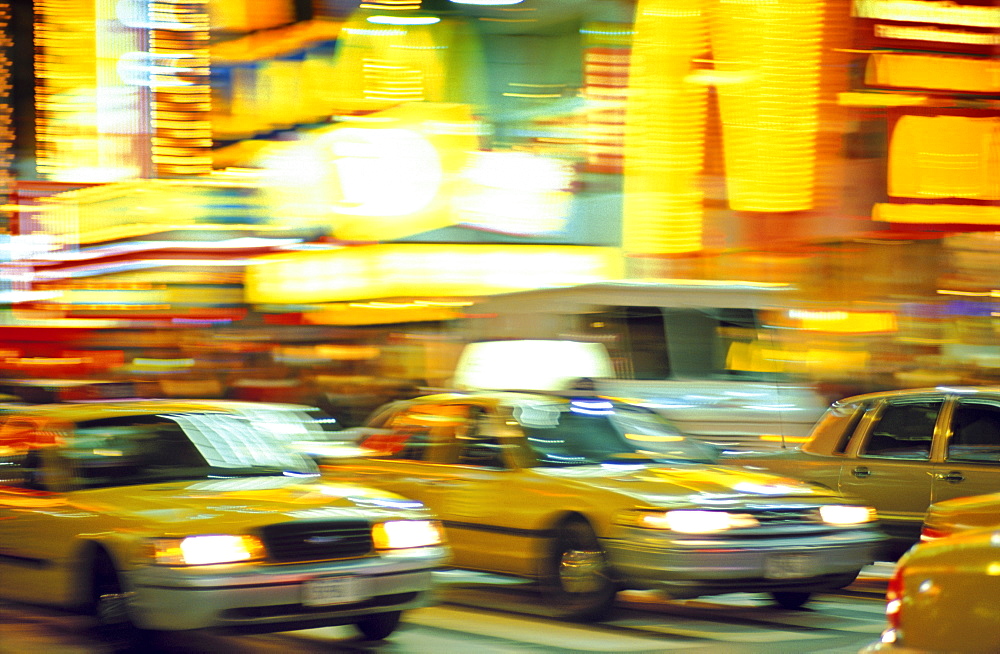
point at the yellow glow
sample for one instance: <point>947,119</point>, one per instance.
<point>383,177</point>
<point>206,550</point>
<point>65,91</point>
<point>845,321</point>
<point>852,99</point>
<point>514,193</point>
<point>380,65</point>
<point>935,34</point>
<point>242,16</point>
<point>928,11</point>
<point>937,214</point>
<point>664,130</point>
<point>778,438</point>
<point>182,99</point>
<point>756,357</point>
<point>406,534</point>
<point>136,208</point>
<point>770,112</point>
<point>945,157</point>
<point>435,270</point>
<point>933,72</point>
<point>844,514</point>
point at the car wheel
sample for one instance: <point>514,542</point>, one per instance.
<point>109,606</point>
<point>578,579</point>
<point>790,599</point>
<point>380,625</point>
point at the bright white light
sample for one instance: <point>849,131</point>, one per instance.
<point>406,534</point>
<point>697,522</point>
<point>403,20</point>
<point>530,364</point>
<point>206,550</point>
<point>846,515</point>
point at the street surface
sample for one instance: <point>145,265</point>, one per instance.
<point>507,620</point>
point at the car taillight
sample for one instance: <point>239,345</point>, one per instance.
<point>894,598</point>
<point>930,533</point>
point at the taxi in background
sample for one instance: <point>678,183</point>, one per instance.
<point>942,597</point>
<point>899,451</point>
<point>163,515</point>
<point>588,495</point>
<point>961,514</point>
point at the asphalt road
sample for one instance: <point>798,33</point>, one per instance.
<point>507,620</point>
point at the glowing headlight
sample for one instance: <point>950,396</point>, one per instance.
<point>841,514</point>
<point>206,550</point>
<point>693,521</point>
<point>405,534</point>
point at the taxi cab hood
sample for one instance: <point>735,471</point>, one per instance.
<point>670,485</point>
<point>245,502</point>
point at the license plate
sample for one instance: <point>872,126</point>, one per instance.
<point>324,591</point>
<point>789,566</point>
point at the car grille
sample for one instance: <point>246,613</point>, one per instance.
<point>785,515</point>
<point>293,542</point>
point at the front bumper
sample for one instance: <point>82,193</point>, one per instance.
<point>692,567</point>
<point>262,598</point>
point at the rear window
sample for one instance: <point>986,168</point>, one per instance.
<point>833,432</point>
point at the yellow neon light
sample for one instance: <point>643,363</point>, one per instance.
<point>853,99</point>
<point>770,106</point>
<point>923,33</point>
<point>182,144</point>
<point>936,214</point>
<point>664,130</point>
<point>920,11</point>
<point>431,270</point>
<point>933,72</point>
<point>945,157</point>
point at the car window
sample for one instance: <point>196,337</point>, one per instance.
<point>141,449</point>
<point>975,432</point>
<point>903,430</point>
<point>591,431</point>
<point>416,433</point>
<point>476,441</point>
<point>834,430</point>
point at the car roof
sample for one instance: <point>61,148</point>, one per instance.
<point>929,390</point>
<point>507,397</point>
<point>77,411</point>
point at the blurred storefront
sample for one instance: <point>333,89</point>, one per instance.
<point>293,200</point>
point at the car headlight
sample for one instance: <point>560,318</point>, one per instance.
<point>206,549</point>
<point>844,514</point>
<point>691,521</point>
<point>406,534</point>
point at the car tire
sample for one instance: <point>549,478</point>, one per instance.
<point>790,599</point>
<point>379,625</point>
<point>108,605</point>
<point>578,580</point>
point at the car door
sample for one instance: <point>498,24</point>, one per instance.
<point>971,463</point>
<point>472,492</point>
<point>889,462</point>
<point>37,521</point>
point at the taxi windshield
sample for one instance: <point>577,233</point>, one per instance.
<point>596,430</point>
<point>178,447</point>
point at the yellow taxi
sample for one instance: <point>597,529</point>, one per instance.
<point>900,451</point>
<point>942,597</point>
<point>588,495</point>
<point>163,515</point>
<point>961,514</point>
